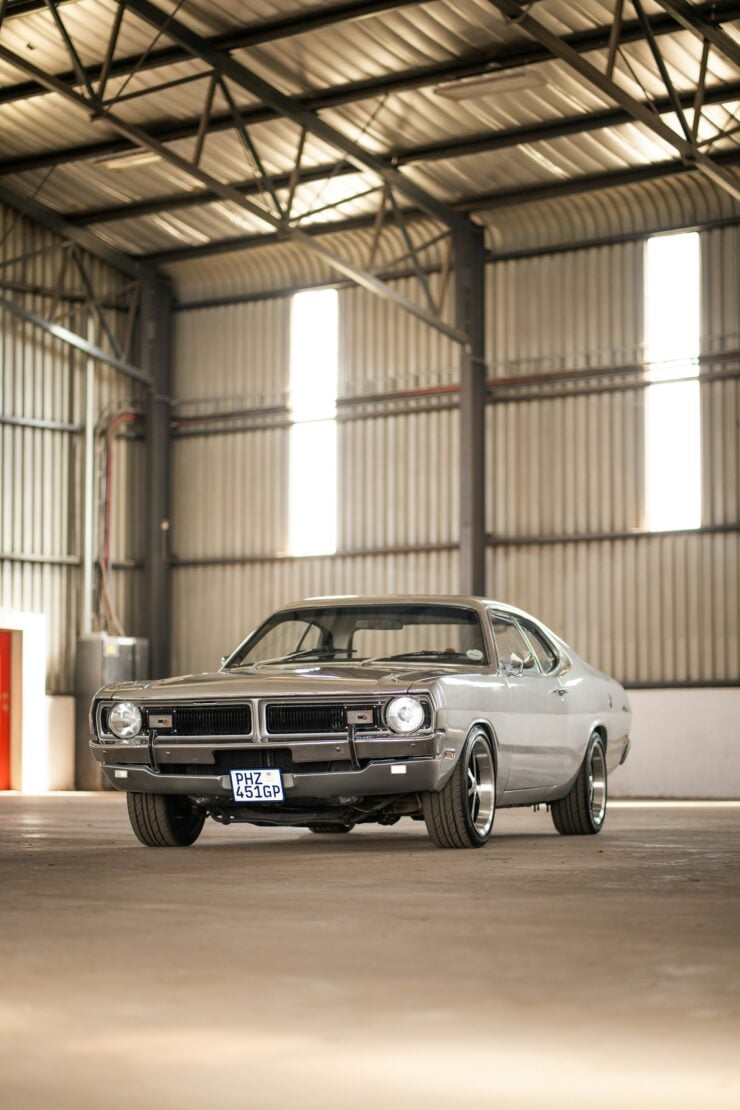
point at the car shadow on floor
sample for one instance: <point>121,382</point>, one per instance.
<point>362,844</point>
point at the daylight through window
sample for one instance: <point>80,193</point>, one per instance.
<point>313,436</point>
<point>672,404</point>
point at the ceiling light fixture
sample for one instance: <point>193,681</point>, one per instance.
<point>128,160</point>
<point>490,84</point>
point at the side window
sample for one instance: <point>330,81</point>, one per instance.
<point>542,648</point>
<point>509,641</point>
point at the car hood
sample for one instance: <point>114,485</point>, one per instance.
<point>290,680</point>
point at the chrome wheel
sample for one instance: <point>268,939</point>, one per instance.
<point>597,784</point>
<point>480,786</point>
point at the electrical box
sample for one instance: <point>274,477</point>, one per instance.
<point>101,659</point>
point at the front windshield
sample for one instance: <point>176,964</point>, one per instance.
<point>358,633</point>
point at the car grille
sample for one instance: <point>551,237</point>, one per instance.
<point>202,720</point>
<point>285,720</point>
<point>254,760</point>
<point>257,761</point>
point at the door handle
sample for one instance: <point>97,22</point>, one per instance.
<point>559,690</point>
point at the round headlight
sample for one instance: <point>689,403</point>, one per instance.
<point>405,714</point>
<point>124,720</point>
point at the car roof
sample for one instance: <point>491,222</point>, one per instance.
<point>469,600</point>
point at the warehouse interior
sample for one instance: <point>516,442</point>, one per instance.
<point>320,297</point>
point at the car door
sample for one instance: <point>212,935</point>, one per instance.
<point>539,721</point>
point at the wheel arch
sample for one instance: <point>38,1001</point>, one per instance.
<point>601,729</point>
<point>487,727</point>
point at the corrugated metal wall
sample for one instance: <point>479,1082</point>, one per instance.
<point>647,608</point>
<point>650,608</point>
<point>397,487</point>
<point>42,379</point>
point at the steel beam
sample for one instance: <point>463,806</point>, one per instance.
<point>691,17</point>
<point>155,352</point>
<point>27,7</point>
<point>51,220</point>
<point>72,339</point>
<point>430,152</point>
<point>470,279</point>
<point>641,112</point>
<point>227,192</point>
<point>500,60</point>
<point>237,38</point>
<point>286,107</point>
<point>587,183</point>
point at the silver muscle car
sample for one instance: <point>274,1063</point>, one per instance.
<point>346,710</point>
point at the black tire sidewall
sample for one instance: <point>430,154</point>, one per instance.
<point>185,824</point>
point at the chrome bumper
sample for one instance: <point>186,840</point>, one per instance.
<point>392,765</point>
<point>378,778</point>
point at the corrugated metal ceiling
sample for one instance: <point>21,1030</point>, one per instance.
<point>665,204</point>
<point>380,44</point>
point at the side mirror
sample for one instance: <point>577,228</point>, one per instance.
<point>223,659</point>
<point>518,665</point>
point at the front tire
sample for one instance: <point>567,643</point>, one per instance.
<point>164,820</point>
<point>460,815</point>
<point>582,811</point>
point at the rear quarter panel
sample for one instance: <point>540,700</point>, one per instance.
<point>596,701</point>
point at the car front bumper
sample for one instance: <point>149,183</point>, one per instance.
<point>388,765</point>
<point>377,778</point>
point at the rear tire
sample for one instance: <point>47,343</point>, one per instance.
<point>331,827</point>
<point>461,814</point>
<point>164,820</point>
<point>582,811</point>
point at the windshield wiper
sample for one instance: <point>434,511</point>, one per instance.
<point>430,653</point>
<point>310,653</point>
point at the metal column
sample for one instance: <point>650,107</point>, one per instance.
<point>155,357</point>
<point>469,318</point>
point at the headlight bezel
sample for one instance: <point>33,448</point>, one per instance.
<point>125,732</point>
<point>410,699</point>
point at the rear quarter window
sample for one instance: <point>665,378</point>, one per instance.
<point>546,655</point>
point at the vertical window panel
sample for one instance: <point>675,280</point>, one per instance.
<point>672,407</point>
<point>313,436</point>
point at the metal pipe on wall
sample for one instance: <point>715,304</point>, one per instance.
<point>88,496</point>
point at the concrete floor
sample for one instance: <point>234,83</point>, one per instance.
<point>276,968</point>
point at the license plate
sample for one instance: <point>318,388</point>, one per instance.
<point>257,786</point>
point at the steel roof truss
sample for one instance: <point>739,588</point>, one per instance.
<point>693,20</point>
<point>276,220</point>
<point>685,144</point>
